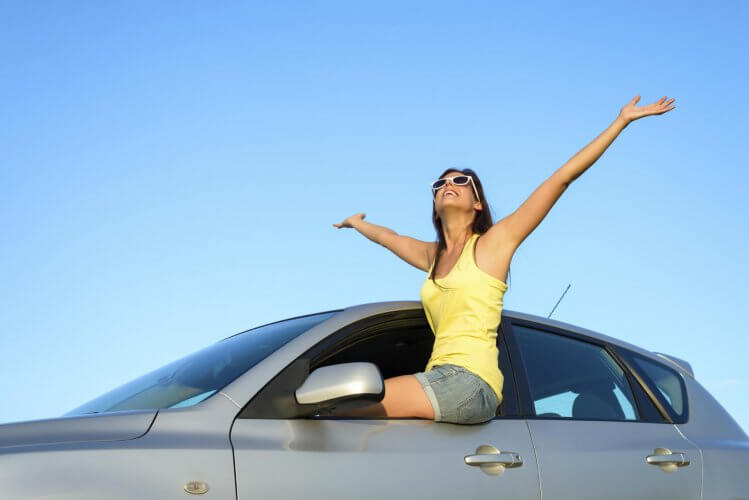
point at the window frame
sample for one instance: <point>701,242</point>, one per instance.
<point>651,387</point>
<point>648,410</point>
<point>293,374</point>
<point>514,409</point>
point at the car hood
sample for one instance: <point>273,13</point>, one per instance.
<point>115,426</point>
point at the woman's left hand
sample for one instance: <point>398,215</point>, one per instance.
<point>630,112</point>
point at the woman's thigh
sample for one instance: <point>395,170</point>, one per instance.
<point>405,397</point>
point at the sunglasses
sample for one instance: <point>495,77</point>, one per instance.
<point>458,180</point>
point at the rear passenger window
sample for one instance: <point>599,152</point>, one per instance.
<point>664,382</point>
<point>570,378</point>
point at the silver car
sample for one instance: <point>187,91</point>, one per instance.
<point>584,416</point>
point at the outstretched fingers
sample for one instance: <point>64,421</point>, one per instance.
<point>661,106</point>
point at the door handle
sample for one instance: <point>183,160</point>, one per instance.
<point>667,460</point>
<point>506,458</point>
<point>492,461</point>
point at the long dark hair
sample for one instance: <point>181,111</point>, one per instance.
<point>481,222</point>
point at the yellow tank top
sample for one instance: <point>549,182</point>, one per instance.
<point>464,312</point>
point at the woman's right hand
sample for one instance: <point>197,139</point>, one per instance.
<point>350,221</point>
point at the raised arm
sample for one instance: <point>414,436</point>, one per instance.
<point>514,228</point>
<point>416,252</point>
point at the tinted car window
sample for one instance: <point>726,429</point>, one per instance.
<point>666,381</point>
<point>570,378</point>
<point>192,379</point>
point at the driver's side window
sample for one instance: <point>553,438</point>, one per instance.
<point>397,346</point>
<point>396,351</point>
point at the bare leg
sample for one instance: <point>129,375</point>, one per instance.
<point>404,397</point>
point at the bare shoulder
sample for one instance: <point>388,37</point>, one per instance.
<point>497,240</point>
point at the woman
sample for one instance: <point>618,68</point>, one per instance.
<point>462,295</point>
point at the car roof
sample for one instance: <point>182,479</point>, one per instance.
<point>372,308</point>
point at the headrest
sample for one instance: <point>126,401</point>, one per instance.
<point>597,405</point>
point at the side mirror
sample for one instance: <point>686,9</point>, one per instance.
<point>346,385</point>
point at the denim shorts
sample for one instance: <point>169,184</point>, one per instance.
<point>458,395</point>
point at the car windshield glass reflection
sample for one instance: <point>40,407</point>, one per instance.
<point>192,379</point>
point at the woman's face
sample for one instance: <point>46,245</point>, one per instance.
<point>454,197</point>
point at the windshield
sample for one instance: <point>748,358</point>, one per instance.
<point>192,379</point>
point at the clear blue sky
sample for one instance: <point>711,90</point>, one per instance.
<point>170,172</point>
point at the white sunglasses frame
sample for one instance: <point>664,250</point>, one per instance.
<point>450,180</point>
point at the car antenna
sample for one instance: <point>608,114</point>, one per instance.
<point>560,299</point>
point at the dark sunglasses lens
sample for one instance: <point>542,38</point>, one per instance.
<point>438,184</point>
<point>461,180</point>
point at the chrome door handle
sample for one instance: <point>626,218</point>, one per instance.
<point>676,458</point>
<point>506,458</point>
<point>667,460</point>
<point>492,461</point>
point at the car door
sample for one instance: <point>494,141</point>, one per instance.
<point>339,457</point>
<point>596,433</point>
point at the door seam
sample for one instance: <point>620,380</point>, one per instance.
<point>538,465</point>
<point>702,460</point>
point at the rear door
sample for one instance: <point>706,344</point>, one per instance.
<point>596,432</point>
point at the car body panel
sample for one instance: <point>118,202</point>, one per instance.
<point>105,427</point>
<point>373,459</point>
<point>182,445</point>
<point>723,443</point>
<point>592,460</point>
